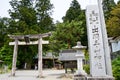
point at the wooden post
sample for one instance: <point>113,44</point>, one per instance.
<point>14,57</point>
<point>40,57</point>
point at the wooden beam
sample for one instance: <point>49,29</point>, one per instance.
<point>31,36</point>
<point>30,43</point>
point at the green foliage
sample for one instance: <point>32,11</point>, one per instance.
<point>67,34</point>
<point>118,2</point>
<point>6,55</point>
<point>3,30</point>
<point>23,17</point>
<point>86,55</point>
<point>72,29</point>
<point>26,54</point>
<point>28,17</point>
<point>116,68</point>
<point>73,12</point>
<point>5,50</point>
<point>113,24</point>
<point>108,5</point>
<point>86,67</point>
<point>44,10</point>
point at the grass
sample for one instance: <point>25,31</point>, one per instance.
<point>2,70</point>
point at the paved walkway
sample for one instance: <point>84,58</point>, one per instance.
<point>50,74</point>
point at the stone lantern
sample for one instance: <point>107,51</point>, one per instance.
<point>80,57</point>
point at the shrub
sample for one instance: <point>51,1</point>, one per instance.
<point>116,68</point>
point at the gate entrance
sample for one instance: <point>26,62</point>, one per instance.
<point>26,41</point>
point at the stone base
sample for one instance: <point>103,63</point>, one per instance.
<point>100,78</point>
<point>79,77</point>
<point>81,73</point>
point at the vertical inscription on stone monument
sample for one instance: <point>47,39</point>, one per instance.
<point>96,50</point>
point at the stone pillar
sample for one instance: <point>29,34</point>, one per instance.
<point>105,40</point>
<point>80,57</point>
<point>14,57</point>
<point>100,63</point>
<point>95,42</point>
<point>79,64</point>
<point>40,57</point>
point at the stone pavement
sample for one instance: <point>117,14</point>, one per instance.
<point>49,74</point>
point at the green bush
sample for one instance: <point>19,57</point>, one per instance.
<point>116,68</point>
<point>1,68</point>
<point>87,68</point>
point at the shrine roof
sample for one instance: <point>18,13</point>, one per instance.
<point>67,55</point>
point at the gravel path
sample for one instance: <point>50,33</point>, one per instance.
<point>50,74</point>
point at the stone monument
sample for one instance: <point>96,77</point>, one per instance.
<point>100,62</point>
<point>96,49</point>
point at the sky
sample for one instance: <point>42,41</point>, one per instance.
<point>59,10</point>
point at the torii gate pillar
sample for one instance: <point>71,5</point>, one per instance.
<point>40,57</point>
<point>14,57</point>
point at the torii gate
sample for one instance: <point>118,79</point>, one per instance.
<point>28,42</point>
